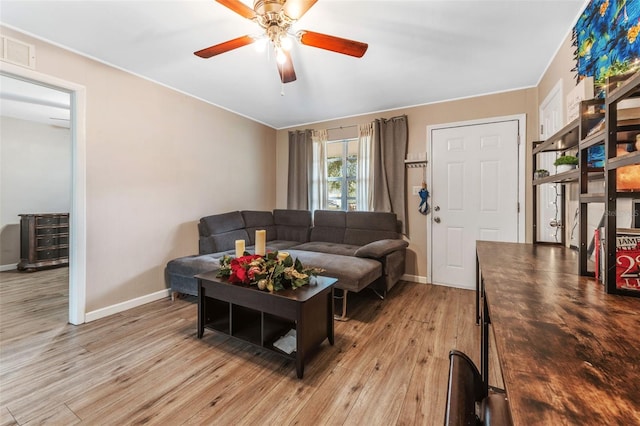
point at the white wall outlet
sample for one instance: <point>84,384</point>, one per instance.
<point>416,190</point>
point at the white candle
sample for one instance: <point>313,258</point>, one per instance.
<point>282,255</point>
<point>239,248</point>
<point>261,242</point>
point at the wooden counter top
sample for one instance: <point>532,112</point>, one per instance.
<point>569,352</point>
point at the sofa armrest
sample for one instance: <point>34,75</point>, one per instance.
<point>381,248</point>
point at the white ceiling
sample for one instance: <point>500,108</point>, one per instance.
<point>33,102</point>
<point>419,51</point>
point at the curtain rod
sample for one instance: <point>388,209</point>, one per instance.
<point>355,125</point>
<point>342,127</point>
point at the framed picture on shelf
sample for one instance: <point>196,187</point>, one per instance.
<point>628,259</point>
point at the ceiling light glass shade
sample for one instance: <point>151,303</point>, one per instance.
<point>281,58</point>
<point>286,43</point>
<point>261,44</point>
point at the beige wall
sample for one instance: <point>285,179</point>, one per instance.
<point>496,105</point>
<point>157,160</point>
<point>559,69</point>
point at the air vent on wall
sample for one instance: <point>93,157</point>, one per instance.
<point>18,52</point>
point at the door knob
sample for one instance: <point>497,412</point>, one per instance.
<point>436,219</point>
<point>437,208</point>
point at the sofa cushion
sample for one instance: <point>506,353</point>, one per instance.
<point>325,247</point>
<point>219,223</point>
<point>292,225</point>
<point>279,245</point>
<point>328,226</point>
<point>255,220</point>
<point>227,240</point>
<point>366,227</point>
<point>180,272</point>
<point>380,248</point>
<point>353,273</point>
<point>191,265</point>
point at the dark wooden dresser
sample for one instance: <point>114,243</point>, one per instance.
<point>44,241</point>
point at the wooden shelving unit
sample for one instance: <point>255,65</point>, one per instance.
<point>592,134</point>
<point>619,130</point>
<point>563,140</point>
<point>607,124</point>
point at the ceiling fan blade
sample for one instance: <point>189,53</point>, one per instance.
<point>238,7</point>
<point>287,73</point>
<point>294,9</point>
<point>335,44</point>
<point>224,47</point>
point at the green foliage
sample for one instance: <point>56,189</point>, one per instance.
<point>352,166</point>
<point>342,173</point>
<point>351,189</point>
<point>566,159</point>
<point>334,167</point>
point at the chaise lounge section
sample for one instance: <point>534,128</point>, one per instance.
<point>360,249</point>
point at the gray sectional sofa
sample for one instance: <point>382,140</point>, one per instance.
<point>360,249</point>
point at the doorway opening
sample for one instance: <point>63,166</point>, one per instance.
<point>77,210</point>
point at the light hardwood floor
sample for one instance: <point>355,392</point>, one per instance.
<point>389,364</point>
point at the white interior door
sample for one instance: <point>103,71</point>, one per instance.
<point>551,113</point>
<point>474,195</point>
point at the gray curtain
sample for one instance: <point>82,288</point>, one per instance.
<point>390,139</point>
<point>300,152</point>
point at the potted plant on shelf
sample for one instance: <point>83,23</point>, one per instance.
<point>564,163</point>
<point>540,173</point>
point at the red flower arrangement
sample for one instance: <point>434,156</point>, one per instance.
<point>271,272</point>
<point>241,269</point>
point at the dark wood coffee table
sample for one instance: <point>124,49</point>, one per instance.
<point>259,317</point>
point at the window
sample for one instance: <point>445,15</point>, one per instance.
<point>342,173</point>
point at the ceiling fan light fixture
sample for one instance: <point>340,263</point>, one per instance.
<point>268,7</point>
<point>261,44</point>
<point>276,17</point>
<point>285,42</point>
<point>281,58</point>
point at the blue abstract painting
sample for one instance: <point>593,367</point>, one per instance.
<point>607,39</point>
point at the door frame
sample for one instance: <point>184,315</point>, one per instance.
<point>78,220</point>
<point>522,126</point>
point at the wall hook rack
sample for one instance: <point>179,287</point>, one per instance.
<point>415,163</point>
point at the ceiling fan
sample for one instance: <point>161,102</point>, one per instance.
<point>276,18</point>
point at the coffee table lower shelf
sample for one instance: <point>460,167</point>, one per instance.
<point>261,318</point>
<point>249,326</point>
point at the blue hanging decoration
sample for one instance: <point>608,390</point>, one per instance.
<point>424,196</point>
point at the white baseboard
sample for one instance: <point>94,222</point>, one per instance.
<point>414,278</point>
<point>424,280</point>
<point>10,267</point>
<point>123,306</point>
